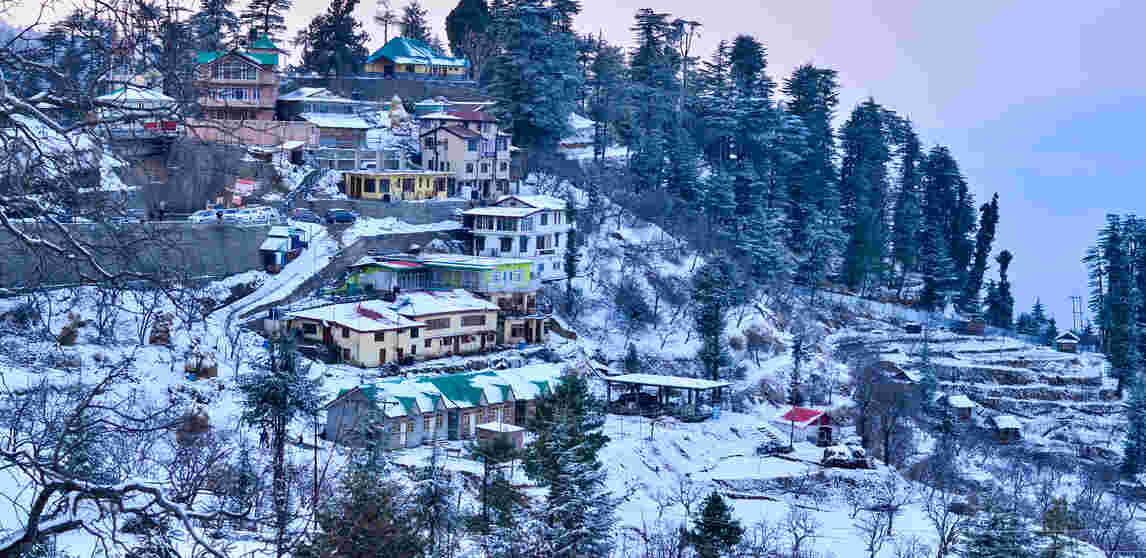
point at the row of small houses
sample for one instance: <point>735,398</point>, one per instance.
<point>415,411</point>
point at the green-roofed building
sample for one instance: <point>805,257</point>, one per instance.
<point>413,59</point>
<point>442,407</point>
<point>239,84</point>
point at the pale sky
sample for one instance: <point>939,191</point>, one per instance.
<point>1039,100</point>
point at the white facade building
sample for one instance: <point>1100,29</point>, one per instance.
<point>531,227</point>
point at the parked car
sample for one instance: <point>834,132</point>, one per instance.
<point>230,216</point>
<point>369,165</point>
<point>204,216</point>
<point>305,215</point>
<point>341,216</point>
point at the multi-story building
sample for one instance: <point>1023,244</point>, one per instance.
<point>472,146</point>
<point>239,84</point>
<point>529,227</point>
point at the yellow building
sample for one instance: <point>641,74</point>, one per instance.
<point>395,185</point>
<point>413,59</point>
<point>368,333</point>
<point>456,322</point>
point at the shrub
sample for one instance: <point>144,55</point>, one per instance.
<point>736,342</point>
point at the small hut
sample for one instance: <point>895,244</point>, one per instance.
<point>1066,342</point>
<point>1007,428</point>
<point>806,424</point>
<point>490,431</point>
<point>960,405</point>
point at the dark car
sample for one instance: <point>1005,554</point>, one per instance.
<point>340,216</point>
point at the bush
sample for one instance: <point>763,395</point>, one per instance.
<point>736,342</point>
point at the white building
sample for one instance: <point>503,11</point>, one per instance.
<point>532,227</point>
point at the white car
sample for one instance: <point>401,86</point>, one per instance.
<point>204,216</point>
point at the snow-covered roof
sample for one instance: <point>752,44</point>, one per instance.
<point>1067,337</point>
<point>462,390</point>
<point>319,94</point>
<point>912,375</point>
<point>960,402</point>
<point>425,303</point>
<point>325,120</point>
<point>135,94</point>
<point>292,145</point>
<point>1007,422</point>
<point>371,315</point>
<point>539,202</point>
<point>275,244</point>
<point>438,116</point>
<point>459,259</point>
<point>459,131</point>
<point>502,211</point>
<point>499,427</point>
<point>679,382</point>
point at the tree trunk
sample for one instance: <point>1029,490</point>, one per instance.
<point>280,489</point>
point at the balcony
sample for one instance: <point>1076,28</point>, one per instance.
<point>261,103</point>
<point>547,252</point>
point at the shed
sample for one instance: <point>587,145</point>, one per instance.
<point>489,431</point>
<point>1007,428</point>
<point>961,405</point>
<point>807,424</point>
<point>282,245</point>
<point>685,398</point>
<point>1067,342</point>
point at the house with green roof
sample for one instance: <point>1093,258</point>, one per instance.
<point>415,411</point>
<point>412,59</point>
<point>240,83</point>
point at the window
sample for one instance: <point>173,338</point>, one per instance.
<point>479,243</point>
<point>430,143</point>
<point>542,242</point>
<point>236,94</point>
<point>407,184</point>
<point>440,184</point>
<point>506,224</point>
<point>523,244</point>
<point>502,144</point>
<point>445,341</point>
<point>345,354</point>
<point>379,335</point>
<point>507,244</point>
<point>413,350</point>
<point>556,240</point>
<point>504,166</point>
<point>472,145</point>
<point>438,323</point>
<point>429,342</point>
<point>439,421</point>
<point>544,218</point>
<point>382,356</point>
<point>474,320</point>
<point>369,186</point>
<point>414,333</point>
<point>526,223</point>
<point>309,329</point>
<point>235,69</point>
<point>383,184</point>
<point>426,423</point>
<point>470,167</point>
<point>540,267</point>
<point>410,68</point>
<point>485,167</point>
<point>345,332</point>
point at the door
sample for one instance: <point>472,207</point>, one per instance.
<point>399,356</point>
<point>519,412</point>
<point>500,415</point>
<point>457,344</point>
<point>326,337</point>
<point>528,331</point>
<point>381,356</point>
<point>452,424</point>
<point>482,335</point>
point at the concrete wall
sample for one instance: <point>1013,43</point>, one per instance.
<point>171,247</point>
<point>382,89</point>
<point>417,213</point>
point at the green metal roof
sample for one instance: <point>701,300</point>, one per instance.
<point>407,403</point>
<point>264,42</point>
<point>208,56</point>
<point>457,388</point>
<point>410,51</point>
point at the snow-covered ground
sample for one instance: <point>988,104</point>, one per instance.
<point>374,226</point>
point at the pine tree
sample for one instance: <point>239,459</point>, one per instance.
<point>572,254</point>
<point>1134,448</point>
<point>414,23</point>
<point>579,510</point>
<point>435,512</point>
<point>988,220</point>
<point>469,16</point>
<point>864,192</point>
<point>652,74</point>
<point>336,42</point>
<point>273,395</point>
<point>535,79</point>
<point>215,25</point>
<point>266,17</point>
<point>1039,315</point>
<point>715,532</point>
<point>907,219</point>
<point>1050,333</point>
<point>1001,305</point>
<point>999,535</point>
<point>949,210</point>
<point>632,360</point>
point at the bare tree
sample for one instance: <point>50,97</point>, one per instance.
<point>890,495</point>
<point>873,529</point>
<point>688,494</point>
<point>911,547</point>
<point>761,540</point>
<point>802,528</point>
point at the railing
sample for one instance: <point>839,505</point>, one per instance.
<point>546,252</point>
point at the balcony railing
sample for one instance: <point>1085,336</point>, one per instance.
<point>546,252</point>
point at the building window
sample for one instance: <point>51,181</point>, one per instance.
<point>379,335</point>
<point>485,167</point>
<point>526,223</point>
<point>429,342</point>
<point>310,329</point>
<point>506,224</point>
<point>504,166</point>
<point>479,243</point>
<point>383,184</point>
<point>413,350</point>
<point>426,423</point>
<point>440,184</point>
<point>438,422</point>
<point>502,144</point>
<point>369,185</point>
<point>438,323</point>
<point>414,333</point>
<point>544,218</point>
<point>345,332</point>
<point>410,68</point>
<point>542,242</point>
<point>540,267</point>
<point>472,145</point>
<point>507,244</point>
<point>474,320</point>
<point>470,168</point>
<point>407,184</point>
<point>235,69</point>
<point>445,341</point>
<point>523,244</point>
<point>346,355</point>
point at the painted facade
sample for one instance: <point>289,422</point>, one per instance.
<point>472,145</point>
<point>367,334</point>
<point>408,58</point>
<point>239,84</point>
<point>532,227</point>
<point>395,185</point>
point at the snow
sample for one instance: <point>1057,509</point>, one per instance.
<point>960,402</point>
<point>326,187</point>
<point>424,303</point>
<point>667,381</point>
<point>540,202</point>
<point>499,427</point>
<point>378,316</point>
<point>343,121</point>
<point>1007,422</point>
<point>375,226</point>
<point>502,211</point>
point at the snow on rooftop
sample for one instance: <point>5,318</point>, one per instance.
<point>538,201</point>
<point>960,402</point>
<point>371,315</point>
<point>438,116</point>
<point>1007,422</point>
<point>667,381</point>
<point>461,259</point>
<point>499,427</point>
<point>346,121</point>
<point>502,211</point>
<point>425,303</point>
<point>801,416</point>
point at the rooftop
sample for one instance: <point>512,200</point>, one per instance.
<point>666,381</point>
<point>473,116</point>
<point>1007,422</point>
<point>325,120</point>
<point>463,390</point>
<point>801,416</point>
<point>459,131</point>
<point>371,315</point>
<point>402,50</point>
<point>502,211</point>
<point>960,402</point>
<point>499,427</point>
<point>424,303</point>
<point>539,202</point>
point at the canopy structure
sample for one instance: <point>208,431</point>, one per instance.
<point>686,398</point>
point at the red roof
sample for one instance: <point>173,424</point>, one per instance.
<point>473,116</point>
<point>800,415</point>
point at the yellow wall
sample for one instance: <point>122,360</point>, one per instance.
<point>423,185</point>
<point>364,350</point>
<point>455,329</point>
